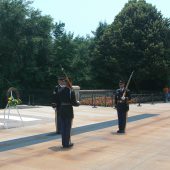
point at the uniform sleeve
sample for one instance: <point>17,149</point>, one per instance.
<point>128,95</point>
<point>115,98</point>
<point>73,99</point>
<point>55,97</point>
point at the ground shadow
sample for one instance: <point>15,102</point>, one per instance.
<point>45,137</point>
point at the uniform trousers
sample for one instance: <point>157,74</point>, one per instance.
<point>66,130</point>
<point>122,118</point>
<point>57,121</point>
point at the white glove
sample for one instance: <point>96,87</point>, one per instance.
<point>78,103</point>
<point>122,98</point>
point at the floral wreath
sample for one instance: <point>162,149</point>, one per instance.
<point>11,100</point>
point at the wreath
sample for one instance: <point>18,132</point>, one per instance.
<point>13,97</point>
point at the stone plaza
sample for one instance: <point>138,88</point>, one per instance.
<point>33,144</point>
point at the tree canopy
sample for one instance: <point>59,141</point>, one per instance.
<point>32,48</point>
<point>138,39</point>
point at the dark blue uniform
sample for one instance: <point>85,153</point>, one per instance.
<point>67,101</point>
<point>56,105</point>
<point>122,107</point>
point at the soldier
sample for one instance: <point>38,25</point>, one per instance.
<point>67,100</point>
<point>122,98</point>
<point>56,103</point>
<point>166,93</point>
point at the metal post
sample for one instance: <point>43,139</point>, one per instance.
<point>92,98</point>
<point>105,99</point>
<point>29,102</point>
<point>33,100</point>
<point>152,98</point>
<point>139,103</point>
<point>94,101</point>
<point>112,99</point>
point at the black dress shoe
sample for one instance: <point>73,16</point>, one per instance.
<point>121,131</point>
<point>68,146</point>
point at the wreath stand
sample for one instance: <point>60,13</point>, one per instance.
<point>8,107</point>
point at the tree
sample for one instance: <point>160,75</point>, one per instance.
<point>24,47</point>
<point>81,62</point>
<point>72,54</point>
<point>104,65</point>
<point>36,49</point>
<point>141,39</point>
<point>138,39</point>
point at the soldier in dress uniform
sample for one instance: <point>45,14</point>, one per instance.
<point>67,99</point>
<point>56,103</point>
<point>122,98</point>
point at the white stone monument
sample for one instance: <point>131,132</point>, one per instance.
<point>77,92</point>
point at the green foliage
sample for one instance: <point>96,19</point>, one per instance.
<point>138,39</point>
<point>13,102</point>
<point>81,62</point>
<point>32,48</point>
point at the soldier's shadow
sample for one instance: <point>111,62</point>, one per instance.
<point>113,133</point>
<point>58,149</point>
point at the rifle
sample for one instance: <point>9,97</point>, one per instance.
<point>67,79</point>
<point>127,85</point>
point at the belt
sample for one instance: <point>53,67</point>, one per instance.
<point>66,104</point>
<point>121,101</point>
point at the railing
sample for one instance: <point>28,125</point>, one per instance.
<point>147,98</point>
<point>97,97</point>
<point>93,98</point>
<point>37,97</point>
<point>106,98</point>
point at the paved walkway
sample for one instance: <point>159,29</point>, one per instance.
<point>35,146</point>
